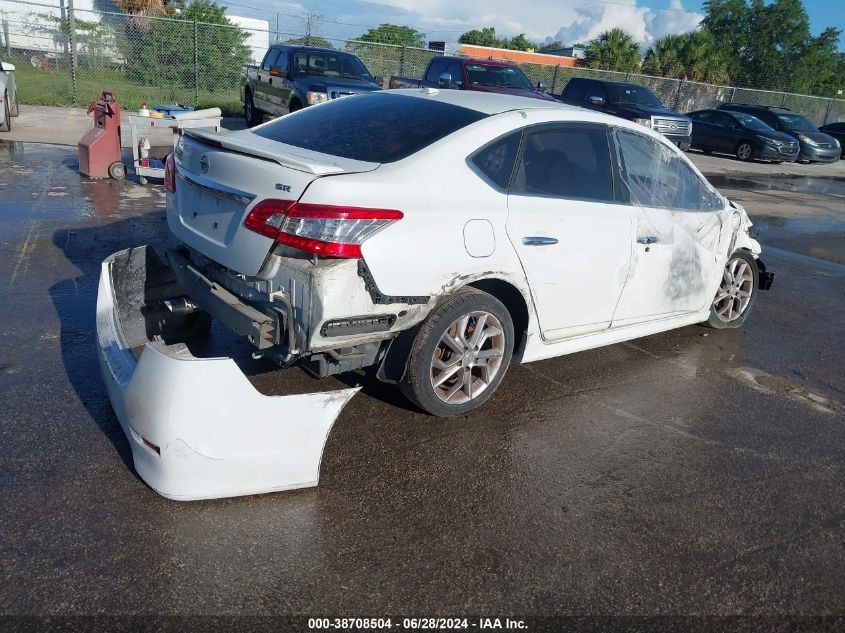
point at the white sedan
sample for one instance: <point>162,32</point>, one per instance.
<point>435,236</point>
<point>8,96</point>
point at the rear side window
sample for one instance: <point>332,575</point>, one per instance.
<point>496,161</point>
<point>657,177</point>
<point>568,161</point>
<point>377,128</point>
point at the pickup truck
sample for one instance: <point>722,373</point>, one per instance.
<point>293,77</point>
<point>629,101</point>
<point>483,75</point>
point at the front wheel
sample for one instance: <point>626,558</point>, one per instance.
<point>736,294</point>
<point>460,354</point>
<point>745,151</point>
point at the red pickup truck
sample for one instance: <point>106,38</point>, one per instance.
<point>483,75</point>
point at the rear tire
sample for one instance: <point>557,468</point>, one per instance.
<point>737,292</point>
<point>6,126</point>
<point>460,354</point>
<point>252,116</point>
<point>745,151</point>
<point>294,106</point>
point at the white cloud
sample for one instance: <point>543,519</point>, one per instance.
<point>569,21</point>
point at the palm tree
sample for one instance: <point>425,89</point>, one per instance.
<point>703,57</point>
<point>662,59</point>
<point>615,49</point>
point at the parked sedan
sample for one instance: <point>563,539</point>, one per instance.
<point>816,146</point>
<point>551,230</point>
<point>743,135</point>
<point>837,131</point>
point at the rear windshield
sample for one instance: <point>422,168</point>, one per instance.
<point>377,128</point>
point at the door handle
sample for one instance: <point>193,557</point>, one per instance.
<point>539,241</point>
<point>647,240</point>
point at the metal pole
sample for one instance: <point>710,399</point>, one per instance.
<point>554,77</point>
<point>827,111</point>
<point>678,95</point>
<point>6,38</point>
<point>73,60</point>
<point>196,69</point>
<point>783,100</point>
<point>402,61</point>
<point>733,94</point>
<point>277,29</point>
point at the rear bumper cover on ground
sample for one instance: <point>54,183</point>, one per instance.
<point>197,428</point>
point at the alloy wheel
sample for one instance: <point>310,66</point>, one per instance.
<point>467,357</point>
<point>734,293</point>
<point>744,151</point>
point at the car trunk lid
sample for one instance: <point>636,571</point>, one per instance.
<point>220,177</point>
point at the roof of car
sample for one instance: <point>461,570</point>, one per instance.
<point>486,102</point>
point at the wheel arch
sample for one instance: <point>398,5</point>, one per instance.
<point>513,300</point>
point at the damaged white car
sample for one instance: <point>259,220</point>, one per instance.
<point>432,235</point>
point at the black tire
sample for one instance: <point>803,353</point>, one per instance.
<point>417,385</point>
<point>117,170</point>
<point>719,322</point>
<point>6,126</point>
<point>294,106</point>
<point>252,116</point>
<point>744,151</point>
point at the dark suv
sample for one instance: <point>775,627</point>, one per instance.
<point>816,146</point>
<point>628,101</point>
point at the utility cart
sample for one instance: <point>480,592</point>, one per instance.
<point>141,127</point>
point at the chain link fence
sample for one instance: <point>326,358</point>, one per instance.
<point>65,57</point>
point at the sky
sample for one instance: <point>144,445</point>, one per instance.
<point>568,21</point>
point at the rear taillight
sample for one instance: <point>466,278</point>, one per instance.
<point>170,174</point>
<point>332,231</point>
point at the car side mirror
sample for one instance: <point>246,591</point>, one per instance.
<point>596,100</point>
<point>7,67</point>
<point>445,80</point>
<point>379,80</point>
<point>542,86</point>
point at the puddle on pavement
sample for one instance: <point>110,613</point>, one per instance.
<point>833,186</point>
<point>39,181</point>
<point>772,385</point>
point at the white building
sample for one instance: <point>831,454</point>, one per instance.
<point>259,35</point>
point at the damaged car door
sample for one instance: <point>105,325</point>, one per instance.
<point>675,266</point>
<point>563,219</point>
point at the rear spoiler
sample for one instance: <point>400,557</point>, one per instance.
<point>288,158</point>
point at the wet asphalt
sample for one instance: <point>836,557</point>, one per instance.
<point>694,472</point>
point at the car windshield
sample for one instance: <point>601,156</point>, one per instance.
<point>751,122</point>
<point>371,127</point>
<point>497,76</point>
<point>796,122</point>
<point>328,64</point>
<point>632,94</point>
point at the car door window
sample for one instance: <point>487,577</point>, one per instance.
<point>281,63</point>
<point>454,69</point>
<point>656,176</point>
<point>497,159</point>
<point>566,161</point>
<point>437,68</point>
<point>723,120</point>
<point>270,59</point>
<point>576,89</point>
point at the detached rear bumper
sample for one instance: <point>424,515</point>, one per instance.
<point>197,428</point>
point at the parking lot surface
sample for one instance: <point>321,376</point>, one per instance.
<point>695,472</point>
